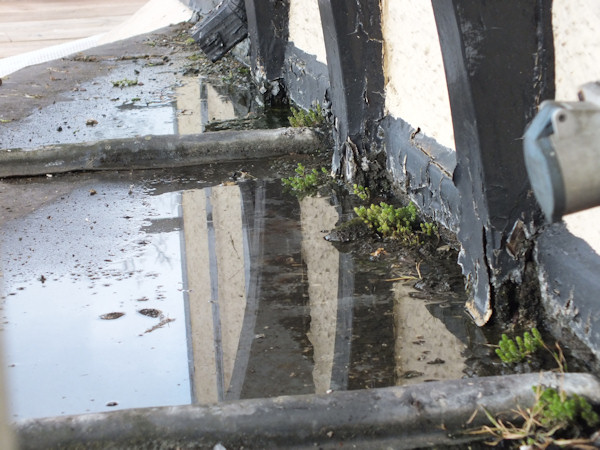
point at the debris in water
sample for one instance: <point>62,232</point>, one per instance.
<point>112,315</point>
<point>378,252</point>
<point>437,361</point>
<point>411,374</point>
<point>159,325</point>
<point>150,312</point>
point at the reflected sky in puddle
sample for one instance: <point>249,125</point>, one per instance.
<point>71,262</point>
<point>253,302</point>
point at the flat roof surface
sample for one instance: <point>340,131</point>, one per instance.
<point>27,25</point>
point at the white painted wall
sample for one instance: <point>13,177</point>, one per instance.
<point>577,45</point>
<point>415,80</point>
<point>577,53</point>
<point>305,28</point>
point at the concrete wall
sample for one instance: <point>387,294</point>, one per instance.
<point>201,6</point>
<point>306,32</point>
<point>577,43</point>
<point>567,253</point>
<point>415,81</point>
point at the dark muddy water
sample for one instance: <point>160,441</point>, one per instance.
<point>148,289</point>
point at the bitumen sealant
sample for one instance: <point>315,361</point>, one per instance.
<point>44,102</point>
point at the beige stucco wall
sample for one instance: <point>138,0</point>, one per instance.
<point>577,52</point>
<point>415,80</point>
<point>305,28</point>
<point>577,45</point>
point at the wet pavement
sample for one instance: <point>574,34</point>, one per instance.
<point>157,103</point>
<point>161,288</point>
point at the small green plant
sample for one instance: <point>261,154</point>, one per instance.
<point>513,351</point>
<point>124,83</point>
<point>244,71</point>
<point>195,57</point>
<point>429,229</point>
<point>398,223</point>
<point>311,118</point>
<point>555,420</point>
<point>556,409</point>
<point>361,192</point>
<point>190,41</point>
<point>305,181</point>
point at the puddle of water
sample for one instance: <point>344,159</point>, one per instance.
<point>252,301</point>
<point>88,114</point>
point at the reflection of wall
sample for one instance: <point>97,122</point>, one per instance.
<point>421,339</point>
<point>218,107</point>
<point>199,103</point>
<point>322,264</point>
<point>216,282</point>
<point>189,119</point>
<point>227,219</point>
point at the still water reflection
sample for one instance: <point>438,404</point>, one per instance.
<point>248,301</point>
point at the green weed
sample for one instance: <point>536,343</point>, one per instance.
<point>361,192</point>
<point>398,223</point>
<point>305,181</point>
<point>513,351</point>
<point>124,83</point>
<point>195,57</point>
<point>311,118</point>
<point>555,419</point>
<point>556,409</point>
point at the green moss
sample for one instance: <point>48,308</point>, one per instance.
<point>311,118</point>
<point>398,223</point>
<point>556,409</point>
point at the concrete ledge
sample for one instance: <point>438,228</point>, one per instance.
<point>568,274</point>
<point>147,152</point>
<point>401,417</point>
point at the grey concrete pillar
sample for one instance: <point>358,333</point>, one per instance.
<point>354,45</point>
<point>268,33</point>
<point>499,63</point>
